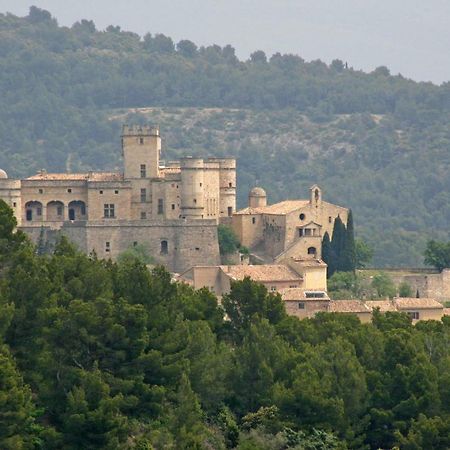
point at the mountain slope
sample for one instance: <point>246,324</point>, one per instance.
<point>377,143</point>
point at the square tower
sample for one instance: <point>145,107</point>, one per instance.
<point>141,148</point>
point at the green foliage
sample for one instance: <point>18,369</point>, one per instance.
<point>103,355</point>
<point>363,254</point>
<point>340,253</point>
<point>405,290</point>
<point>228,241</point>
<point>437,254</point>
<point>137,252</point>
<point>384,285</point>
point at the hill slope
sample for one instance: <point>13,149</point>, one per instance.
<point>377,143</point>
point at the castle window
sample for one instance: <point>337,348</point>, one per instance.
<point>230,184</point>
<point>39,211</point>
<point>143,195</point>
<point>29,215</point>
<point>301,232</point>
<point>116,192</point>
<point>414,315</point>
<point>164,247</point>
<point>83,209</point>
<point>197,248</point>
<point>14,204</point>
<point>201,184</point>
<point>69,190</point>
<point>308,232</point>
<point>41,191</point>
<point>230,211</point>
<point>312,251</point>
<point>143,171</point>
<point>59,210</point>
<point>330,219</point>
<point>301,305</point>
<point>135,244</point>
<point>101,192</point>
<point>253,220</point>
<point>143,215</point>
<point>195,200</point>
<point>107,246</point>
<point>160,206</point>
<point>108,210</point>
<point>141,140</point>
<point>173,206</point>
<point>301,216</point>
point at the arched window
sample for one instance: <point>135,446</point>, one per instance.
<point>312,251</point>
<point>164,247</point>
<point>77,210</point>
<point>33,211</point>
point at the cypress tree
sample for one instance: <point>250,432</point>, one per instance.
<point>326,251</point>
<point>337,246</point>
<point>348,256</point>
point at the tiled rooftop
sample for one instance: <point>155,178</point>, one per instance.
<point>384,305</point>
<point>417,303</point>
<point>266,272</point>
<point>348,306</point>
<point>290,294</point>
<point>281,208</point>
<point>89,176</point>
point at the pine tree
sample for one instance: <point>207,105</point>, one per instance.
<point>348,256</point>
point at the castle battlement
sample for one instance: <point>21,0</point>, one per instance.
<point>140,130</point>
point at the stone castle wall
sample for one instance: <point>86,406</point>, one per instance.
<point>186,243</point>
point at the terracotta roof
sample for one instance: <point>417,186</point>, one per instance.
<point>417,303</point>
<point>58,176</point>
<point>384,305</point>
<point>289,294</point>
<point>348,306</point>
<point>90,176</point>
<point>310,262</point>
<point>266,272</point>
<point>281,208</point>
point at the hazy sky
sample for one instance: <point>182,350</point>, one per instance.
<point>411,37</point>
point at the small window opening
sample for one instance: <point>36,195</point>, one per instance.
<point>312,251</point>
<point>69,190</point>
<point>143,171</point>
<point>143,215</point>
<point>173,206</point>
<point>143,195</point>
<point>107,246</point>
<point>41,191</point>
<point>301,305</point>
<point>141,140</point>
<point>160,206</point>
<point>101,192</point>
<point>330,219</point>
<point>301,216</point>
<point>116,192</point>
<point>230,211</point>
<point>164,247</point>
<point>253,220</point>
<point>230,184</point>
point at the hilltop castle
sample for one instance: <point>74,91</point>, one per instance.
<point>173,209</point>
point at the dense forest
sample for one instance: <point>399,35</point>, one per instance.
<point>102,355</point>
<point>375,142</point>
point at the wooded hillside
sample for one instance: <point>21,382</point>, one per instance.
<point>376,143</point>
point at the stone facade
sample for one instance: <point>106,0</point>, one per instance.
<point>172,208</point>
<point>288,229</point>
